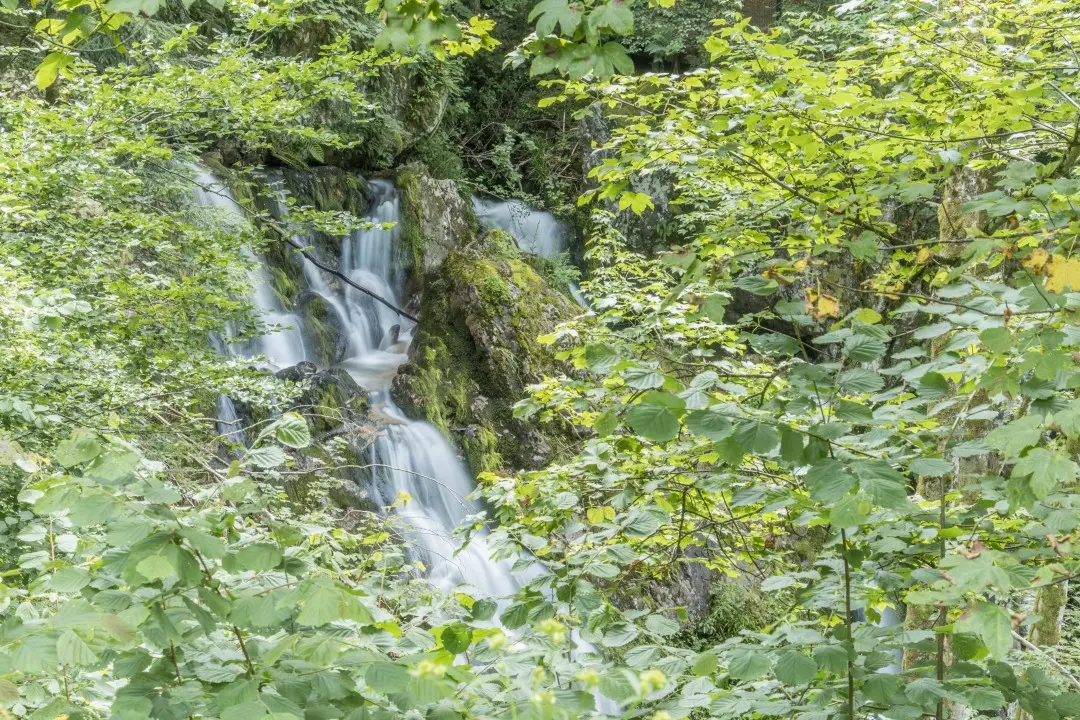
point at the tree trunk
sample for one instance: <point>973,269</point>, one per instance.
<point>762,13</point>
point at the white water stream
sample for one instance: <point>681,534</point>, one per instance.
<point>534,231</point>
<point>410,457</point>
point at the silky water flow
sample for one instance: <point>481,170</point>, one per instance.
<point>409,457</point>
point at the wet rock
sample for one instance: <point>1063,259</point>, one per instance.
<point>477,350</point>
<point>436,219</point>
<point>648,232</point>
<point>298,372</point>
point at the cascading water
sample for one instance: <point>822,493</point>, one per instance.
<point>284,345</point>
<point>534,231</point>
<point>409,458</point>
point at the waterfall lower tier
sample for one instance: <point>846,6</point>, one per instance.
<point>415,469</point>
<point>410,458</point>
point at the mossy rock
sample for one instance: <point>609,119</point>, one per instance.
<point>436,219</point>
<point>477,349</point>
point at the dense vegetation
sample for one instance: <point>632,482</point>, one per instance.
<point>810,452</point>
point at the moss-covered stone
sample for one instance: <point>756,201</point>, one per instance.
<point>734,607</point>
<point>435,219</point>
<point>477,349</point>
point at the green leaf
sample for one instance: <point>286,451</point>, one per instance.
<point>654,422</point>
<point>80,447</point>
<point>1014,437</point>
<point>829,481</point>
<point>47,73</point>
<point>643,378</point>
<point>852,511</point>
<point>1045,470</point>
<point>931,467</point>
<point>155,567</point>
<point>859,381</point>
<point>619,634</point>
<point>514,616</point>
<point>992,624</point>
<point>708,424</point>
<point>256,557</point>
<point>484,609</point>
<point>756,437</point>
<point>69,579</point>
<point>268,456</point>
<point>886,487</point>
<point>291,430</point>
<point>552,13</point>
<point>71,650</point>
<point>705,664</point>
<point>831,658</point>
<point>113,466</point>
<point>932,386</point>
<point>456,638</point>
<point>600,358</point>
<point>998,339</point>
<point>244,711</point>
<point>749,665</point>
<point>615,15</point>
<point>321,604</point>
<point>1068,704</point>
<point>794,668</point>
<point>863,348</point>
<point>661,625</point>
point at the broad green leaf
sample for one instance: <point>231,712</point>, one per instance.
<point>456,638</point>
<point>1045,471</point>
<point>267,456</point>
<point>292,430</point>
<point>859,381</point>
<point>863,348</point>
<point>886,487</point>
<point>794,668</point>
<point>72,650</point>
<point>829,481</point>
<point>749,665</point>
<point>80,447</point>
<point>708,424</point>
<point>654,422</point>
<point>69,579</point>
<point>991,623</point>
<point>661,625</point>
<point>756,438</point>
<point>851,511</point>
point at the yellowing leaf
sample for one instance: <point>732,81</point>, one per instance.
<point>822,304</point>
<point>637,202</point>
<point>1036,260</point>
<point>1062,273</point>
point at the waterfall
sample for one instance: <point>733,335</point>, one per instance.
<point>284,345</point>
<point>410,458</point>
<point>534,231</point>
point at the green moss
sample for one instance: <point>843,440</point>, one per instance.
<point>482,313</point>
<point>734,607</point>
<point>319,331</point>
<point>482,450</point>
<point>496,291</point>
<point>1048,606</point>
<point>412,233</point>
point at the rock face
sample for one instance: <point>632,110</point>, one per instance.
<point>484,308</point>
<point>437,218</point>
<point>646,233</point>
